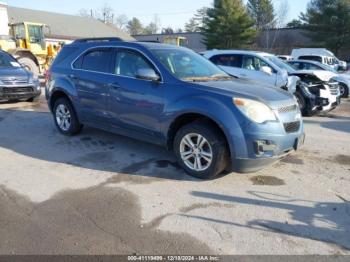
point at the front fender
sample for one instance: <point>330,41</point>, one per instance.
<point>217,111</point>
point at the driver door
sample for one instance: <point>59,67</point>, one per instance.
<point>136,105</point>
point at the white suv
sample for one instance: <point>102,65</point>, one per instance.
<point>253,66</point>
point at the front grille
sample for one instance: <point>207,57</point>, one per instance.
<point>334,88</point>
<point>17,90</point>
<point>287,109</point>
<point>14,81</point>
<point>292,127</point>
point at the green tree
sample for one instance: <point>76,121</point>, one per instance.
<point>134,27</point>
<point>197,22</point>
<point>327,22</point>
<point>263,14</point>
<point>228,25</point>
<point>295,23</point>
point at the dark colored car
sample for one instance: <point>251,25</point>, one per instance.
<point>16,83</point>
<point>175,98</point>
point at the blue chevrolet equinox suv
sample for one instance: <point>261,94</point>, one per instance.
<point>173,97</point>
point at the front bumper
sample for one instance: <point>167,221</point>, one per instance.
<point>276,153</point>
<point>19,92</point>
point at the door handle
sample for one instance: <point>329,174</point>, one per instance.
<point>114,86</point>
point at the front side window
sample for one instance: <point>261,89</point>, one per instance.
<point>186,65</point>
<point>128,63</point>
<point>253,63</point>
<point>96,60</point>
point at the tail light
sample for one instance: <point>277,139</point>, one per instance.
<point>47,75</point>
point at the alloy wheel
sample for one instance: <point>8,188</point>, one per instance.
<point>63,117</point>
<point>196,152</point>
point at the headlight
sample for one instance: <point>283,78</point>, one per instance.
<point>33,80</point>
<point>254,110</point>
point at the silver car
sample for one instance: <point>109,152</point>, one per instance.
<point>253,65</point>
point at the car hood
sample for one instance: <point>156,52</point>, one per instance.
<point>320,74</point>
<point>272,96</point>
<point>14,72</point>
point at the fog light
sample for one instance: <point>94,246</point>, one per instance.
<point>325,101</point>
<point>263,146</point>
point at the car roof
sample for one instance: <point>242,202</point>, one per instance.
<point>233,51</point>
<point>104,42</point>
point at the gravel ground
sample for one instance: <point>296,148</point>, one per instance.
<point>99,193</point>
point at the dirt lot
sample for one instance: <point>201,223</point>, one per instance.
<point>99,193</point>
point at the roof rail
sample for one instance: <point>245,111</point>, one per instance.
<point>99,39</point>
<point>149,41</point>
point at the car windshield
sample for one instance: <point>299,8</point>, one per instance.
<point>7,61</point>
<point>189,66</point>
<point>281,64</point>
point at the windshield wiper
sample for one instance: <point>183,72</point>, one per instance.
<point>222,77</point>
<point>208,78</point>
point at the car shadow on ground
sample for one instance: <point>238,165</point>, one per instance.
<point>34,134</point>
<point>341,126</point>
<point>321,221</point>
<point>98,220</point>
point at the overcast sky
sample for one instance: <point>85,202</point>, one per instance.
<point>172,13</point>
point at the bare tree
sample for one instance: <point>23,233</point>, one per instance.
<point>282,14</point>
<point>84,12</point>
<point>107,14</point>
<point>121,21</point>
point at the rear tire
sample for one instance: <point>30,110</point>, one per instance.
<point>65,118</point>
<point>208,155</point>
<point>30,65</point>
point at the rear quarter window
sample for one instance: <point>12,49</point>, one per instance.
<point>64,55</point>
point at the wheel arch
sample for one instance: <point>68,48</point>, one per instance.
<point>187,118</point>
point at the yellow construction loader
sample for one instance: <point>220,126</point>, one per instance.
<point>27,43</point>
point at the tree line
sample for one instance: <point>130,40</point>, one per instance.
<point>234,24</point>
<point>132,26</point>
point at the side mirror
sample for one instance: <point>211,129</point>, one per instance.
<point>147,74</point>
<point>266,69</point>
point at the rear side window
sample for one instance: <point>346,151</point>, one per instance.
<point>227,60</point>
<point>96,60</point>
<point>312,58</point>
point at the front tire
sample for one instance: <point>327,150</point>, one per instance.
<point>65,117</point>
<point>344,91</point>
<point>201,150</point>
<point>302,104</point>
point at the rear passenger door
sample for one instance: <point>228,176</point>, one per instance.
<point>136,105</point>
<point>91,75</point>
